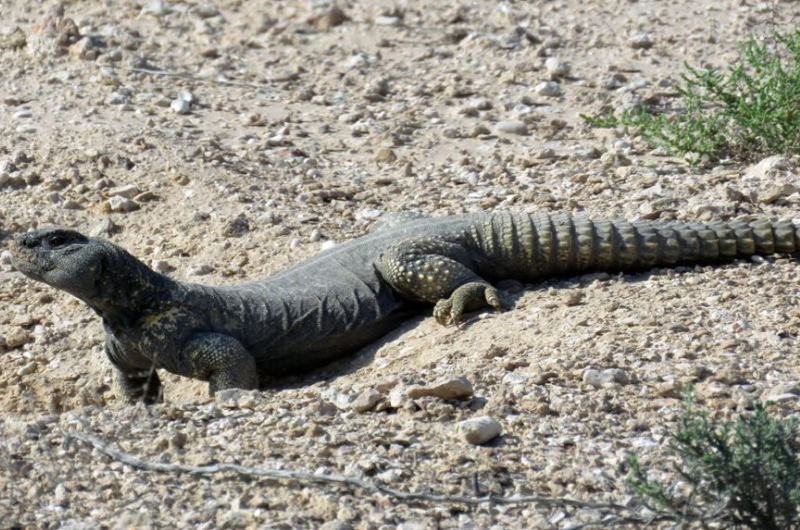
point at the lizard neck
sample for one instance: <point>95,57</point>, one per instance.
<point>128,289</point>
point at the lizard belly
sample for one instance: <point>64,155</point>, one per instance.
<point>295,354</point>
<point>311,315</point>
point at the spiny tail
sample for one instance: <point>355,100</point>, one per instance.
<point>530,246</point>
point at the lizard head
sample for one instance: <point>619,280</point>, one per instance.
<point>61,258</point>
<point>114,283</point>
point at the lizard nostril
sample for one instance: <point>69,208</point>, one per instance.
<point>29,241</point>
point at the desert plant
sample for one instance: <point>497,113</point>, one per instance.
<point>751,110</point>
<point>742,474</point>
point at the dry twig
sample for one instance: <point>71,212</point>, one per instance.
<point>301,476</point>
<point>225,82</point>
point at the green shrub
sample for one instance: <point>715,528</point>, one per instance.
<point>742,474</point>
<point>750,111</point>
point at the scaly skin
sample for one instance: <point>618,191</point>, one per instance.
<point>329,306</point>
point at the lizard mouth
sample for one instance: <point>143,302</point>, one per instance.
<point>30,264</point>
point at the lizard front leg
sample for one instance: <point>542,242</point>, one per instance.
<point>219,359</point>
<point>435,270</point>
<point>131,387</point>
<point>133,379</point>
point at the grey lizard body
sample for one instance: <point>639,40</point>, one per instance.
<point>332,304</point>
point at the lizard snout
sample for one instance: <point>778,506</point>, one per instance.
<point>29,240</point>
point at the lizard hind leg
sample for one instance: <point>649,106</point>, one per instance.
<point>435,270</point>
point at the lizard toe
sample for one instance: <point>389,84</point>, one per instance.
<point>493,298</point>
<point>442,312</point>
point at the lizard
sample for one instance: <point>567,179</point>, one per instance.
<point>330,305</point>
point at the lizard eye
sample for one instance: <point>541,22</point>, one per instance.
<point>56,240</point>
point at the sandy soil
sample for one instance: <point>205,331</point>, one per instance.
<point>223,142</point>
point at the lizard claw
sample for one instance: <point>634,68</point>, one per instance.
<point>467,297</point>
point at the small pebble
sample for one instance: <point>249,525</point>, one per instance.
<point>548,89</point>
<point>201,270</point>
<point>128,191</point>
<point>158,8</point>
<point>162,266</point>
<point>121,204</point>
<point>447,389</point>
<point>188,97</point>
<point>640,41</point>
<point>180,106</point>
<point>573,298</point>
<point>61,496</point>
<point>388,21</point>
<point>605,378</point>
<point>366,400</point>
<point>329,19</point>
<point>479,430</point>
<point>556,68</point>
<point>236,227</point>
<point>512,127</point>
<point>104,228</point>
<point>237,398</point>
<point>398,398</point>
<point>17,337</point>
<point>781,392</point>
<point>335,525</point>
<point>385,155</point>
<point>26,369</point>
<point>205,10</point>
<point>71,204</point>
<point>84,49</point>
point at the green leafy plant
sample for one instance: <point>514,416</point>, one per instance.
<point>743,474</point>
<point>751,110</point>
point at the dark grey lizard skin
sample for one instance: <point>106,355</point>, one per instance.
<point>332,304</point>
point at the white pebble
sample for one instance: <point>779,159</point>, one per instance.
<point>480,104</point>
<point>117,98</point>
<point>118,203</point>
<point>200,270</point>
<point>368,214</point>
<point>185,95</point>
<point>605,378</point>
<point>180,106</point>
<point>61,495</point>
<point>157,9</point>
<point>556,68</point>
<point>479,430</point>
<point>512,127</point>
<point>205,10</point>
<point>366,400</point>
<point>548,89</point>
<point>388,21</point>
<point>129,191</point>
<point>640,41</point>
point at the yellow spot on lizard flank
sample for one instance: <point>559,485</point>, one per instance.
<point>159,318</point>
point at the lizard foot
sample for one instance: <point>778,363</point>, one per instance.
<point>143,386</point>
<point>468,297</point>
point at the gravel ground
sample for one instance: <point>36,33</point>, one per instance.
<point>223,142</point>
